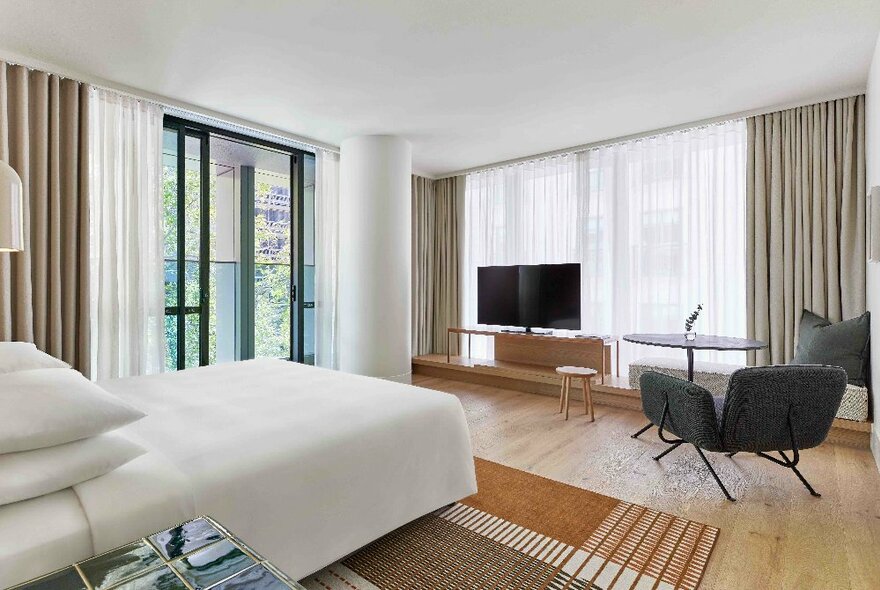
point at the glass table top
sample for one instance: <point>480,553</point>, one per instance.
<point>197,555</point>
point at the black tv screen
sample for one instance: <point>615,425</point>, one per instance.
<point>530,296</point>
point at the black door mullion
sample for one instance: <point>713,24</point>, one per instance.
<point>204,247</point>
<point>181,247</point>
<point>247,269</point>
<point>297,275</point>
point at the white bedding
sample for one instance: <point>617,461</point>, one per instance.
<point>42,535</point>
<point>142,497</point>
<point>305,464</point>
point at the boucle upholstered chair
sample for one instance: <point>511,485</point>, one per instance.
<point>767,409</point>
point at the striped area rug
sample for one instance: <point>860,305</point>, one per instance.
<point>527,532</point>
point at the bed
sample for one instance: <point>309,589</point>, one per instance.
<point>306,464</point>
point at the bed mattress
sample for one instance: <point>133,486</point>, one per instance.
<point>304,464</point>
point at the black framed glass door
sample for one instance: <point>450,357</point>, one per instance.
<point>237,236</point>
<point>184,196</point>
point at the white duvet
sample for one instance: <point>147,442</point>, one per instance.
<point>306,465</point>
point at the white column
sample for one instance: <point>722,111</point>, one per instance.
<point>375,252</point>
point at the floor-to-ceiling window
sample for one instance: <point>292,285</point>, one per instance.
<point>657,224</point>
<point>239,230</point>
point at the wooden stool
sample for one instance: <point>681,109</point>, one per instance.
<point>584,374</point>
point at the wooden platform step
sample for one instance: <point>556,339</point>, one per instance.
<point>522,377</point>
<point>615,392</point>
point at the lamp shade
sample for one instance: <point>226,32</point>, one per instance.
<point>11,210</point>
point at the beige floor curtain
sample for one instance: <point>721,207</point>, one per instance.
<point>422,264</point>
<point>805,220</point>
<point>44,136</point>
<point>436,254</point>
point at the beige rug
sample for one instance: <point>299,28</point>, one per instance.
<point>524,531</point>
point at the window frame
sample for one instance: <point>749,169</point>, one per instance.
<point>185,128</point>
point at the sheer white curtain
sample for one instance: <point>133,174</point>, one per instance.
<point>529,213</point>
<point>126,282</point>
<point>326,256</point>
<point>657,224</point>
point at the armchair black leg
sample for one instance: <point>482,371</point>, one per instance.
<point>805,482</point>
<point>715,475</point>
<point>671,448</point>
<point>792,464</point>
<point>794,460</point>
<point>642,431</point>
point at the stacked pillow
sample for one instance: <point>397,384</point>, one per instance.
<point>55,425</point>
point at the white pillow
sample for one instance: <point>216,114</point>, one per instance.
<point>23,356</point>
<point>30,474</point>
<point>48,407</point>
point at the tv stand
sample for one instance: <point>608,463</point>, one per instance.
<point>534,349</point>
<point>526,331</point>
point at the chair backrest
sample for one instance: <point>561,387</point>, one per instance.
<point>761,400</point>
<point>690,411</point>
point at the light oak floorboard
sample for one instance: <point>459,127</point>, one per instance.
<point>775,536</point>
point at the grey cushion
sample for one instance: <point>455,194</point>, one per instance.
<point>844,344</point>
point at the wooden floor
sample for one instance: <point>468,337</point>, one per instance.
<point>775,536</point>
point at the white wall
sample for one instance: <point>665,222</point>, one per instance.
<point>375,253</point>
<point>873,154</point>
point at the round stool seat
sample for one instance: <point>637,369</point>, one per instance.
<point>576,371</point>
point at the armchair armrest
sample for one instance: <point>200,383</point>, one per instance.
<point>682,408</point>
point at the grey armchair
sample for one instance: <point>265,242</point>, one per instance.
<point>777,408</point>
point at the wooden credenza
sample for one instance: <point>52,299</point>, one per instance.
<point>549,350</point>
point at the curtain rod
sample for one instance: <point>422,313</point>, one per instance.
<point>175,107</point>
<point>703,123</point>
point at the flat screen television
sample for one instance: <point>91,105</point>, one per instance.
<point>530,296</point>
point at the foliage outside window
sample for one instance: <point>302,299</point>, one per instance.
<point>272,242</point>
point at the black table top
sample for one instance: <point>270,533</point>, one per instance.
<point>701,342</point>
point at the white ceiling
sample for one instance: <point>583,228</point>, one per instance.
<point>469,82</point>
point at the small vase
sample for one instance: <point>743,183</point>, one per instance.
<point>690,335</point>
